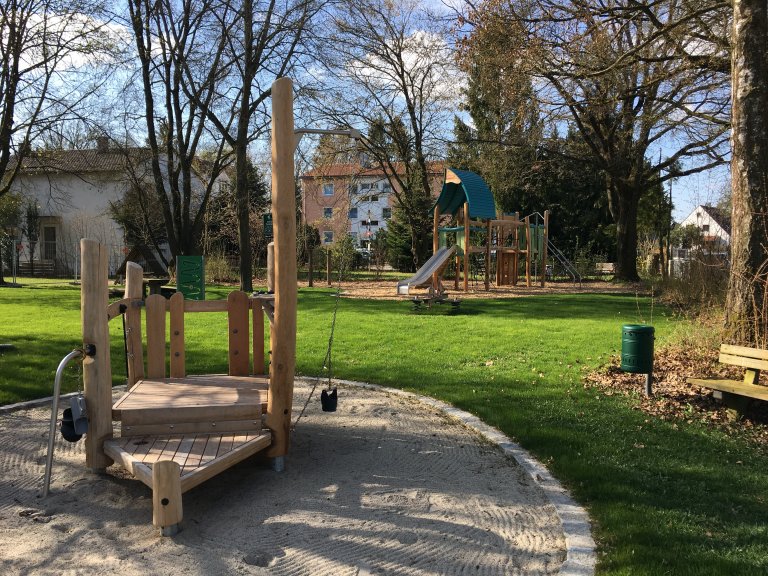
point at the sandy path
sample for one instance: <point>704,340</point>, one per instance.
<point>386,485</point>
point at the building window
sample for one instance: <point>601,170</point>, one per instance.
<point>374,198</point>
<point>370,222</point>
<point>705,227</point>
<point>353,213</point>
<point>386,213</point>
<point>328,237</point>
<point>327,189</point>
<point>328,212</point>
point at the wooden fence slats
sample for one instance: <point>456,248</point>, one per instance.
<point>155,336</point>
<point>178,369</point>
<point>239,341</point>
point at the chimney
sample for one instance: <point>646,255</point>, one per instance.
<point>102,144</point>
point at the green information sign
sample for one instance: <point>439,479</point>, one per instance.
<point>268,226</point>
<point>190,277</point>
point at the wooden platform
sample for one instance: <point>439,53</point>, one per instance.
<point>210,403</point>
<point>199,456</point>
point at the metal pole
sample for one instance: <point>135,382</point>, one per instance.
<point>648,385</point>
<point>54,416</point>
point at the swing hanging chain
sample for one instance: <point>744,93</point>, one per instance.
<point>327,360</point>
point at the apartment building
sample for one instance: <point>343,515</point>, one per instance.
<point>352,199</point>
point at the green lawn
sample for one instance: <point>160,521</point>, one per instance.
<point>666,498</point>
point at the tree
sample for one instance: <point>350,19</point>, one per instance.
<point>264,41</point>
<point>745,316</point>
<point>50,52</point>
<point>606,68</point>
<point>10,220</point>
<point>181,52</point>
<point>390,77</point>
<point>31,229</point>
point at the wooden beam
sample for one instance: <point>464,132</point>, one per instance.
<point>156,305</point>
<point>166,496</point>
<point>239,338</point>
<point>178,355</point>
<point>528,251</point>
<point>280,398</point>
<point>488,256</point>
<point>543,255</point>
<point>97,372</point>
<point>466,246</point>
<point>258,337</point>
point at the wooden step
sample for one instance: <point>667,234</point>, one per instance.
<point>199,456</point>
<point>203,400</point>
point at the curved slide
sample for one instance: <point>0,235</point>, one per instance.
<point>424,275</point>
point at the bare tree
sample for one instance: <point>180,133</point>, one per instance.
<point>182,55</point>
<point>393,77</point>
<point>264,41</point>
<point>746,304</point>
<point>606,68</point>
<point>50,52</point>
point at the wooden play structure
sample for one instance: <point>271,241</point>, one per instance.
<point>473,228</point>
<point>177,430</point>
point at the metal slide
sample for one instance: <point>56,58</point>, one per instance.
<point>424,275</point>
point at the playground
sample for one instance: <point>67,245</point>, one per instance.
<point>388,483</point>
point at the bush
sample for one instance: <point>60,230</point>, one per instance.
<point>218,268</point>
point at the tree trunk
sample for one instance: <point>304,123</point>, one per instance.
<point>624,210</point>
<point>745,316</point>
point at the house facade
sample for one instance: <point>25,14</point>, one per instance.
<point>715,226</point>
<point>73,190</point>
<point>352,199</point>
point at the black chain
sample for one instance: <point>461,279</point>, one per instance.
<point>327,361</point>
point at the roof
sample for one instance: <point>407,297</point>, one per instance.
<point>464,186</point>
<point>76,161</point>
<point>720,216</point>
<point>356,170</point>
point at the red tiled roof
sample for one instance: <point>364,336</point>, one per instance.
<point>349,170</point>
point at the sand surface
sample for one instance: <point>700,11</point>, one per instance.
<point>385,485</point>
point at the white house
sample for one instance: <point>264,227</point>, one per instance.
<point>73,190</point>
<point>715,226</point>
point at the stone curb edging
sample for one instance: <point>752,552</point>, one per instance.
<point>581,558</point>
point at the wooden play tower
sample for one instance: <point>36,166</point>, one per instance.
<point>177,430</point>
<point>469,207</point>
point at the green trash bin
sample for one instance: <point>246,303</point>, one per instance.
<point>637,348</point>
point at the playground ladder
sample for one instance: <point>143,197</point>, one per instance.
<point>564,262</point>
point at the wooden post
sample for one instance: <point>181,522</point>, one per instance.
<point>457,258</point>
<point>134,276</point>
<point>488,257</point>
<point>528,251</point>
<point>328,266</point>
<point>543,254</point>
<point>167,510</point>
<point>516,254</point>
<point>271,267</point>
<point>436,244</point>
<point>466,247</point>
<point>97,372</point>
<point>280,396</point>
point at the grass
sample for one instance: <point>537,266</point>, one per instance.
<point>666,498</point>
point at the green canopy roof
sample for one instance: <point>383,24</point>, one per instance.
<point>464,186</point>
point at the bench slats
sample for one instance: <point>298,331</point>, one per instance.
<point>744,361</point>
<point>733,387</point>
<point>744,351</point>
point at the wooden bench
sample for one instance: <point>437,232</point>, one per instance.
<point>736,394</point>
<point>605,268</point>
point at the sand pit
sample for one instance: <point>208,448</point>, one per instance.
<point>386,485</point>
